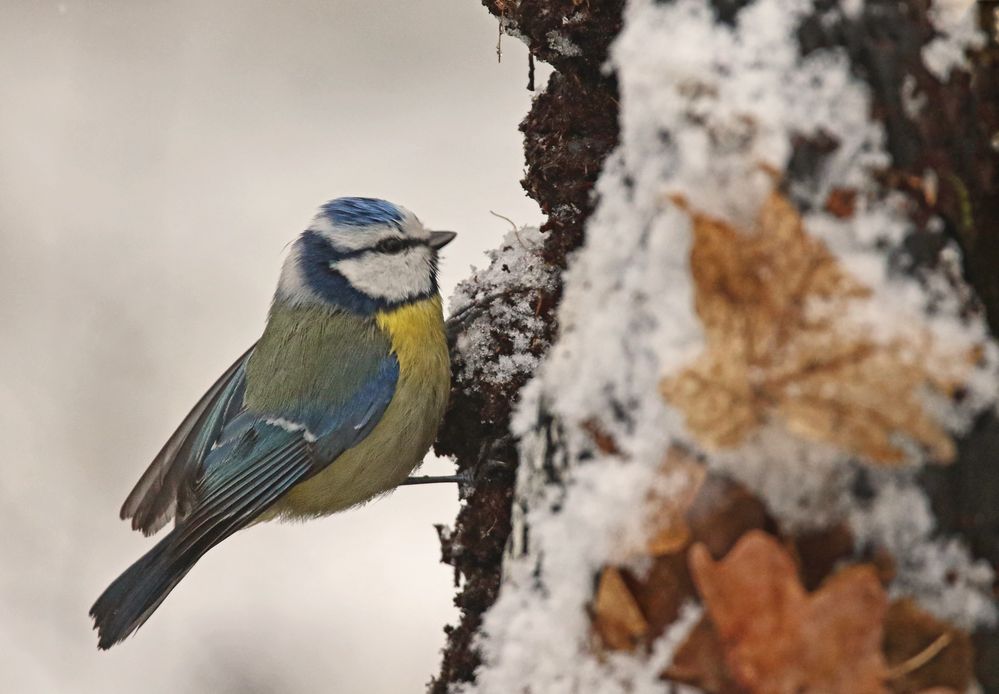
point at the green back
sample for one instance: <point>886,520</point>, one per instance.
<point>312,357</point>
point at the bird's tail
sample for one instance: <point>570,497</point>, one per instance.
<point>127,603</point>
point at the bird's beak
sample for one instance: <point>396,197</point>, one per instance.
<point>439,239</point>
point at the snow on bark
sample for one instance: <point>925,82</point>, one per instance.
<point>955,22</point>
<point>939,573</point>
<point>711,116</point>
<point>518,276</point>
<point>568,132</point>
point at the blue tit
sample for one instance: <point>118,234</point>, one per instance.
<point>337,402</point>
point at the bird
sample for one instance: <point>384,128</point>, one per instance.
<point>335,404</point>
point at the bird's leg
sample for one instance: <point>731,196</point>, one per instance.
<point>460,478</point>
<point>464,479</point>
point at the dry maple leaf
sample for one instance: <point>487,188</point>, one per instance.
<point>775,305</point>
<point>699,662</point>
<point>778,639</point>
<point>631,608</point>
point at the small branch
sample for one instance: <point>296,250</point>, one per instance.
<point>920,659</point>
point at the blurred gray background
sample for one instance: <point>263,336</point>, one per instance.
<point>155,159</point>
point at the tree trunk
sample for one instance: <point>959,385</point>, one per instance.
<point>759,453</point>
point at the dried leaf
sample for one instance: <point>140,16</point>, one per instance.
<point>632,609</point>
<point>884,563</point>
<point>777,638</point>
<point>661,592</point>
<point>841,202</point>
<point>700,662</point>
<point>672,538</point>
<point>670,531</point>
<point>616,616</point>
<point>923,652</point>
<point>700,506</point>
<point>722,512</point>
<point>775,305</point>
<point>819,551</point>
<point>604,442</point>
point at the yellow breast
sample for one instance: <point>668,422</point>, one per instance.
<point>406,430</point>
<point>418,338</point>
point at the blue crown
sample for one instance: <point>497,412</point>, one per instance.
<point>359,212</point>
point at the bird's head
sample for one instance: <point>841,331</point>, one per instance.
<point>362,254</point>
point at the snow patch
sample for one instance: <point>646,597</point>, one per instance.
<point>509,27</point>
<point>563,45</point>
<point>956,23</point>
<point>938,572</point>
<point>502,301</point>
<point>913,102</point>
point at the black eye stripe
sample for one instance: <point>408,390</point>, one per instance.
<point>327,255</point>
<point>394,244</point>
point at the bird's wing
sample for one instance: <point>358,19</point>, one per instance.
<point>208,448</point>
<point>255,458</point>
<point>260,456</point>
<point>168,481</point>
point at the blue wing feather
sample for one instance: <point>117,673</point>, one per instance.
<point>267,453</point>
<point>253,459</point>
<point>166,487</point>
<point>243,481</point>
<point>339,430</point>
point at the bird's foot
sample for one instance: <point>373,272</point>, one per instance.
<point>461,478</point>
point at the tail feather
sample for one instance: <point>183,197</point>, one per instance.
<point>229,502</point>
<point>132,597</point>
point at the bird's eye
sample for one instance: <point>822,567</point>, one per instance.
<point>392,244</point>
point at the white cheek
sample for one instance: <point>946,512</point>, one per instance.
<point>393,277</point>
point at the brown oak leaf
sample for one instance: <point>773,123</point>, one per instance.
<point>779,639</point>
<point>617,618</point>
<point>775,305</point>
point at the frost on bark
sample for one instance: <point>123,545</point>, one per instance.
<point>760,454</point>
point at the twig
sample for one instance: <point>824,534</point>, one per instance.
<point>516,231</point>
<point>920,659</point>
<point>505,219</point>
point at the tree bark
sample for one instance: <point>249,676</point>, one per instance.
<point>571,128</point>
<point>938,174</point>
